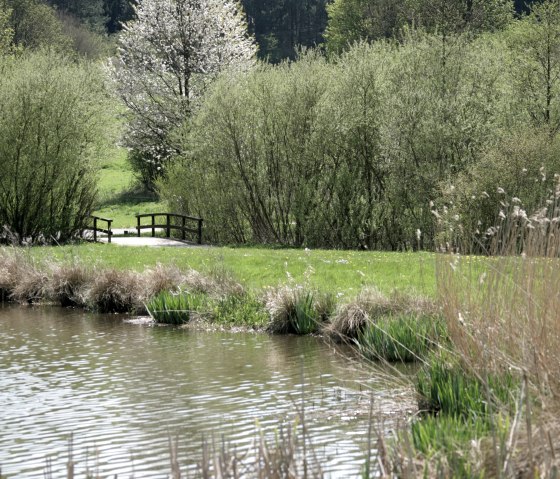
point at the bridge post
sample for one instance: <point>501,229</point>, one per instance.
<point>138,225</point>
<point>94,229</point>
<point>153,224</point>
<point>200,231</point>
<point>183,230</point>
<point>109,232</point>
<point>167,226</point>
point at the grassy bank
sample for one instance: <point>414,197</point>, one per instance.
<point>331,271</point>
<point>488,381</point>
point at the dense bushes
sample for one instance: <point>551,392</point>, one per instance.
<point>346,153</point>
<point>351,151</point>
<point>53,124</point>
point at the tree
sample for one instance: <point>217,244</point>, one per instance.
<point>354,20</point>
<point>35,25</point>
<point>535,42</point>
<point>6,31</point>
<point>117,13</point>
<point>458,16</point>
<point>54,123</point>
<point>90,12</point>
<point>166,59</point>
<point>282,26</point>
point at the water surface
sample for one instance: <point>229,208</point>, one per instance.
<point>121,389</point>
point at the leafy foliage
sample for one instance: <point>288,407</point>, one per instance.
<point>342,154</point>
<point>53,125</point>
<point>351,21</point>
<point>35,25</point>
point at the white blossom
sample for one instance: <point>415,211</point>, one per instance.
<point>166,59</point>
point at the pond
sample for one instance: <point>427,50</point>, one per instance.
<point>123,389</point>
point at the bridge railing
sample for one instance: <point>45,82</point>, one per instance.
<point>96,229</point>
<point>185,224</point>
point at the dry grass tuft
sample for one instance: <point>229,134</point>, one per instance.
<point>12,265</point>
<point>294,309</point>
<point>280,304</point>
<point>114,291</point>
<point>20,278</point>
<point>218,284</point>
<point>68,284</point>
<point>502,313</point>
<point>31,286</point>
<point>159,279</point>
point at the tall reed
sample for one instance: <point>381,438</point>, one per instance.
<point>501,375</point>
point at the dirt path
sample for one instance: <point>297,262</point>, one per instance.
<point>133,240</point>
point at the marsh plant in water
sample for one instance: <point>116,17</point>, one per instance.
<point>176,308</point>
<point>404,338</point>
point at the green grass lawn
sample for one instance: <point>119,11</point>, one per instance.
<point>119,197</point>
<point>334,271</point>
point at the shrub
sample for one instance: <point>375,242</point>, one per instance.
<point>54,124</point>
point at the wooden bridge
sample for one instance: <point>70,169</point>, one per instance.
<point>159,222</point>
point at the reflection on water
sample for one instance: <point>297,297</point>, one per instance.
<point>121,389</point>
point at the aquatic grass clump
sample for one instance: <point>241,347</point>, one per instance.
<point>403,338</point>
<point>114,291</point>
<point>170,308</point>
<point>444,446</point>
<point>351,319</point>
<point>292,310</point>
<point>447,387</point>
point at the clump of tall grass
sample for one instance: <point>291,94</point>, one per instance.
<point>20,279</point>
<point>444,446</point>
<point>502,313</point>
<point>68,284</point>
<point>402,338</point>
<point>31,284</point>
<point>176,308</point>
<point>447,387</point>
<point>161,278</point>
<point>294,310</point>
<point>115,291</point>
<point>219,283</point>
<point>351,319</point>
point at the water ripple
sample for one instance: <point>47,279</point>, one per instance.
<point>122,389</point>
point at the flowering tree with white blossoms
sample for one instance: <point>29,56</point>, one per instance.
<point>166,59</point>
